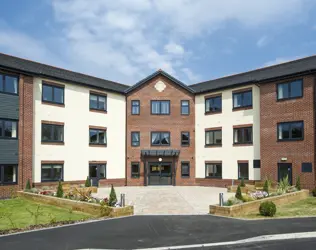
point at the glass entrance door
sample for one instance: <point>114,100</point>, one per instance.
<point>160,174</point>
<point>97,172</point>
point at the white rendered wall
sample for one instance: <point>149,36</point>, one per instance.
<point>77,117</point>
<point>228,154</point>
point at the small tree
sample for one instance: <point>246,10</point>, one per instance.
<point>298,183</point>
<point>112,199</point>
<point>60,191</point>
<point>266,186</point>
<point>87,183</point>
<point>242,183</point>
<point>28,185</point>
<point>238,194</point>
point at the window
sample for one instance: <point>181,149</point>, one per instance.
<point>97,136</point>
<point>213,137</point>
<point>185,138</point>
<point>97,102</point>
<point>97,171</point>
<point>242,99</point>
<point>52,133</point>
<point>135,170</point>
<point>243,172</point>
<point>160,107</point>
<point>52,94</point>
<point>52,172</point>
<point>135,139</point>
<point>213,104</point>
<point>9,84</point>
<point>290,131</point>
<point>256,164</point>
<point>243,135</point>
<point>185,169</point>
<point>160,138</point>
<point>135,107</point>
<point>307,167</point>
<point>185,107</point>
<point>290,90</point>
<point>213,170</point>
<point>8,129</point>
<point>8,174</point>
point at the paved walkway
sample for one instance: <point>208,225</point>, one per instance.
<point>163,200</point>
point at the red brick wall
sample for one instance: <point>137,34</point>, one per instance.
<point>296,152</point>
<point>25,133</point>
<point>174,123</point>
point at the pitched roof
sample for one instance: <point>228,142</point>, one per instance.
<point>43,70</point>
<point>300,66</point>
<point>159,72</point>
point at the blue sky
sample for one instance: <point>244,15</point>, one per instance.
<point>125,40</point>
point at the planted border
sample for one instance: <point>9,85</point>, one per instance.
<point>85,207</point>
<point>253,206</point>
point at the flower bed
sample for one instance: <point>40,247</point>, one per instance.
<point>86,207</point>
<point>253,206</point>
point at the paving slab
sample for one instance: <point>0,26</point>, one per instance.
<point>168,200</point>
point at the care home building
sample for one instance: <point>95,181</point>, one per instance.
<point>57,124</point>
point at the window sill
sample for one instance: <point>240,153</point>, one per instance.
<point>161,114</point>
<point>185,146</point>
<point>211,177</point>
<point>98,111</point>
<point>290,140</point>
<point>134,177</point>
<point>288,99</point>
<point>185,177</point>
<point>242,144</point>
<point>8,138</point>
<point>243,178</point>
<point>9,93</point>
<point>167,145</point>
<point>213,146</point>
<point>98,145</point>
<point>52,180</point>
<point>53,143</point>
<point>8,184</point>
<point>213,113</point>
<point>54,104</point>
<point>242,108</point>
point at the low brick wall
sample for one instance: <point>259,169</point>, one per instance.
<point>253,206</point>
<point>85,207</point>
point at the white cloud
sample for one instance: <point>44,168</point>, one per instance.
<point>174,48</point>
<point>263,41</point>
<point>190,75</point>
<point>279,60</point>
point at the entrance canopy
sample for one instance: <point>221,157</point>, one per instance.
<point>166,152</point>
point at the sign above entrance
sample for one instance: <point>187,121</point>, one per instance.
<point>167,152</point>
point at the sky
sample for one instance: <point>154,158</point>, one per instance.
<point>126,40</point>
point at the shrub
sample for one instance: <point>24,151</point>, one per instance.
<point>298,183</point>
<point>238,193</point>
<point>267,208</point>
<point>247,198</point>
<point>28,185</point>
<point>60,191</point>
<point>87,183</point>
<point>284,185</point>
<point>112,199</point>
<point>314,192</point>
<point>266,186</point>
<point>242,183</point>
<point>232,201</point>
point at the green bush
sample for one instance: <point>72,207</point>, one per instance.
<point>314,192</point>
<point>238,193</point>
<point>267,208</point>
<point>112,199</point>
<point>60,191</point>
<point>247,198</point>
<point>232,201</point>
<point>242,183</point>
<point>87,183</point>
<point>266,186</point>
<point>284,185</point>
<point>298,183</point>
<point>28,185</point>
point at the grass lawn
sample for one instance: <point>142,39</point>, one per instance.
<point>21,218</point>
<point>305,207</point>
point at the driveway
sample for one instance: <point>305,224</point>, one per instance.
<point>156,231</point>
<point>168,200</point>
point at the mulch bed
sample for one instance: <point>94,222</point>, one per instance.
<point>39,226</point>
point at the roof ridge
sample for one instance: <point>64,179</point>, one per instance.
<point>254,70</point>
<point>71,71</point>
